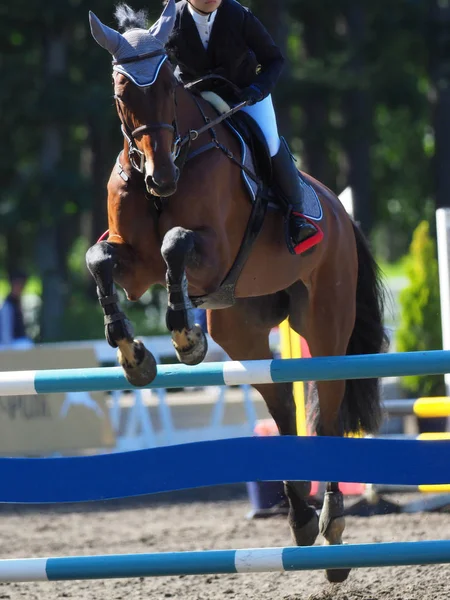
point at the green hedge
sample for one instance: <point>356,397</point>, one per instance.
<point>420,316</point>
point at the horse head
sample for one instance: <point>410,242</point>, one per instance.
<point>144,91</point>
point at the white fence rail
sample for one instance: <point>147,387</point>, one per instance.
<point>131,413</point>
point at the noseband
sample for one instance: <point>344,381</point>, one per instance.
<point>136,156</point>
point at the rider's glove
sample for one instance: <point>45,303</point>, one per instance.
<point>251,94</point>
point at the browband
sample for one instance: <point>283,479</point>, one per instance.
<point>138,57</point>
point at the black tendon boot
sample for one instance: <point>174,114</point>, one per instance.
<point>287,180</point>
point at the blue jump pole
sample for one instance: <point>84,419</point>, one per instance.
<point>223,462</point>
<point>230,373</point>
<point>253,560</point>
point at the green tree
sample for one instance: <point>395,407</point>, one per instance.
<point>63,139</point>
<point>353,101</point>
<point>420,322</point>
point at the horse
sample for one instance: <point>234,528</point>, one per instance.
<point>179,214</point>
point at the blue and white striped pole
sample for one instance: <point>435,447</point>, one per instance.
<point>230,373</point>
<point>253,560</point>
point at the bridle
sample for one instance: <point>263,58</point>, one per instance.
<point>180,145</point>
<point>136,156</point>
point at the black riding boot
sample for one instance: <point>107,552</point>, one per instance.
<point>287,180</point>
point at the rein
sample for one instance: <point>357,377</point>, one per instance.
<point>195,133</point>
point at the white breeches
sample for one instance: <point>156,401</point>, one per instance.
<point>264,114</point>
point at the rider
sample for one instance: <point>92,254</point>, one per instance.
<point>225,38</point>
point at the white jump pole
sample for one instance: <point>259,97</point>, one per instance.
<point>443,247</point>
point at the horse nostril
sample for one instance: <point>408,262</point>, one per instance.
<point>162,180</point>
<point>156,181</point>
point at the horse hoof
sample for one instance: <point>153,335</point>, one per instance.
<point>333,530</point>
<point>332,525</point>
<point>306,535</point>
<point>144,371</point>
<point>196,349</point>
<point>337,575</point>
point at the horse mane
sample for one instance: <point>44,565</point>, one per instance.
<point>128,18</point>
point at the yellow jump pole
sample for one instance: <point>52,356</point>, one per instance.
<point>290,347</point>
<point>432,407</point>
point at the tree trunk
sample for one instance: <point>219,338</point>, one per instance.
<point>440,76</point>
<point>48,255</point>
<point>99,178</point>
<point>358,122</point>
<point>316,104</point>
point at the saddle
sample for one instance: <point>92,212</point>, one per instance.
<point>257,160</point>
<point>256,171</point>
<point>255,140</point>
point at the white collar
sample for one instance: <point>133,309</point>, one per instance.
<point>202,19</point>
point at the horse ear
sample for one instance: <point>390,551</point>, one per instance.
<point>107,38</point>
<point>162,29</point>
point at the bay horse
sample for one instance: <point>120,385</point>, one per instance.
<point>181,224</point>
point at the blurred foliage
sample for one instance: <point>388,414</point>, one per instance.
<point>355,101</point>
<point>420,321</point>
<point>83,316</point>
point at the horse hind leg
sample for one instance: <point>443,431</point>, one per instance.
<point>332,521</point>
<point>354,325</point>
<point>245,336</point>
<point>188,338</point>
<point>327,337</point>
<point>302,517</point>
<point>105,259</point>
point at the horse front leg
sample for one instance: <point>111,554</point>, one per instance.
<point>179,252</point>
<point>106,261</point>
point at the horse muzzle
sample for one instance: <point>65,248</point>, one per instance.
<point>162,185</point>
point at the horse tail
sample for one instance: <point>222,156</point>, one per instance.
<point>361,405</point>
